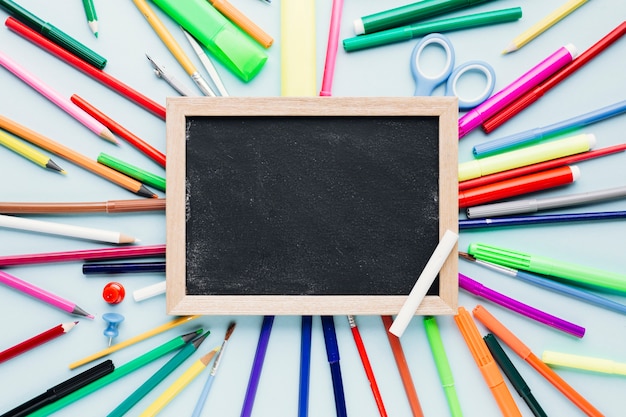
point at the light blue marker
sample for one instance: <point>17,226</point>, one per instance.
<point>533,135</point>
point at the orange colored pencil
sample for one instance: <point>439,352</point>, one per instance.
<point>525,353</point>
<point>403,368</point>
<point>75,157</point>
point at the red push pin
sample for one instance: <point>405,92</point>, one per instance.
<point>113,293</point>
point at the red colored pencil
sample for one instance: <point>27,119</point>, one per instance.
<point>403,368</point>
<point>533,95</point>
<point>37,340</point>
<point>149,150</point>
<point>99,75</point>
<point>84,255</point>
<point>516,186</point>
<point>542,166</point>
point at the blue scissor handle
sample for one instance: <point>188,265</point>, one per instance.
<point>425,84</point>
<point>479,66</point>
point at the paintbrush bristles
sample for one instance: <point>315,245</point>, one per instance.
<point>231,328</point>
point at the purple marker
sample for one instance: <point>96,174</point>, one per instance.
<point>510,93</point>
<point>480,290</point>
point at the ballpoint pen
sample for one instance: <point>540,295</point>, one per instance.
<point>169,78</point>
<point>206,63</point>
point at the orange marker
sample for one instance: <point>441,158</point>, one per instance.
<point>525,353</point>
<point>487,365</point>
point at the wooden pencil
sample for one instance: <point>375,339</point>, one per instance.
<point>110,206</point>
<point>36,340</point>
<point>28,152</point>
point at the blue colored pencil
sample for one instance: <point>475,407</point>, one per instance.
<point>123,268</point>
<point>257,365</point>
<point>533,135</point>
<point>540,219</point>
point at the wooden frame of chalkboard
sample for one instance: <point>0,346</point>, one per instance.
<point>309,205</point>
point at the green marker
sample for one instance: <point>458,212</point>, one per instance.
<point>118,373</point>
<point>443,366</point>
<point>410,13</point>
<point>409,32</point>
<point>53,33</point>
<point>583,275</point>
<point>158,376</point>
<point>132,171</point>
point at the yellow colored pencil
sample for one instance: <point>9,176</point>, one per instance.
<point>177,386</point>
<point>28,152</point>
<point>543,25</point>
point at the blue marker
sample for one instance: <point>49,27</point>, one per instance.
<point>332,351</point>
<point>540,219</point>
<point>113,321</point>
<point>533,135</point>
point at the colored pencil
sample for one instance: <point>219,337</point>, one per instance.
<point>170,366</point>
<point>110,207</point>
<point>41,294</point>
<point>360,346</point>
<point>209,382</point>
<point>544,24</point>
<point>92,16</point>
<point>28,152</point>
<point>520,103</point>
<point>136,339</point>
<point>61,390</point>
<point>120,372</point>
<point>95,73</point>
<point>67,230</point>
<point>123,268</point>
<point>132,171</point>
<point>403,368</point>
<point>75,157</point>
<point>257,365</point>
<point>36,340</point>
<point>524,352</point>
<point>177,386</point>
<point>243,22</point>
<point>143,146</point>
<point>55,97</point>
<point>84,255</point>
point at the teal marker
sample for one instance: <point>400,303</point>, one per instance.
<point>409,32</point>
<point>578,274</point>
<point>408,14</point>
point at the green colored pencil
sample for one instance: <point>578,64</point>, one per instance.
<point>132,171</point>
<point>92,17</point>
<point>118,373</point>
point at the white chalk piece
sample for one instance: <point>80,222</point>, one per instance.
<point>425,280</point>
<point>149,291</point>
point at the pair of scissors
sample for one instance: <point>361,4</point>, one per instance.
<point>426,84</point>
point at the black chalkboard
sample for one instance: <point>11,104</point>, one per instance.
<point>309,205</point>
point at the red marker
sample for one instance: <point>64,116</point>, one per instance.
<point>533,95</point>
<point>517,186</point>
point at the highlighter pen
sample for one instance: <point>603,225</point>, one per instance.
<point>513,375</point>
<point>586,363</point>
<point>552,285</point>
<point>530,79</point>
<point>516,186</point>
<point>578,274</point>
<point>538,91</point>
<point>485,363</point>
<point>53,33</point>
<point>480,290</point>
<point>442,364</point>
<point>229,44</point>
<point>536,204</point>
<point>407,14</point>
<point>526,156</point>
<point>539,133</point>
<point>524,352</point>
<point>405,33</point>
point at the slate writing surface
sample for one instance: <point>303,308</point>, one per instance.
<point>310,205</point>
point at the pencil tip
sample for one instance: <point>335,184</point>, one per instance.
<point>510,48</point>
<point>467,256</point>
<point>108,135</point>
<point>53,166</point>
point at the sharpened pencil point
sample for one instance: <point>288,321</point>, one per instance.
<point>108,135</point>
<point>511,48</point>
<point>467,256</point>
<point>53,166</point>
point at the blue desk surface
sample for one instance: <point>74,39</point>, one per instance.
<point>125,37</point>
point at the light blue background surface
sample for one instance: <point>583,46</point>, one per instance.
<point>125,37</point>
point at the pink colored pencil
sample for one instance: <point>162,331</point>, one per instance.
<point>84,255</point>
<point>479,114</point>
<point>331,49</point>
<point>41,294</point>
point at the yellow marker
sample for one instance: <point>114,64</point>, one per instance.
<point>543,25</point>
<point>28,152</point>
<point>298,76</point>
<point>526,156</point>
<point>586,363</point>
<point>177,386</point>
<point>160,329</point>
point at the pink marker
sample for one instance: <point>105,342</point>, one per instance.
<point>331,50</point>
<point>507,95</point>
<point>41,294</point>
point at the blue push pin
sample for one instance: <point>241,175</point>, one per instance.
<point>113,320</point>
